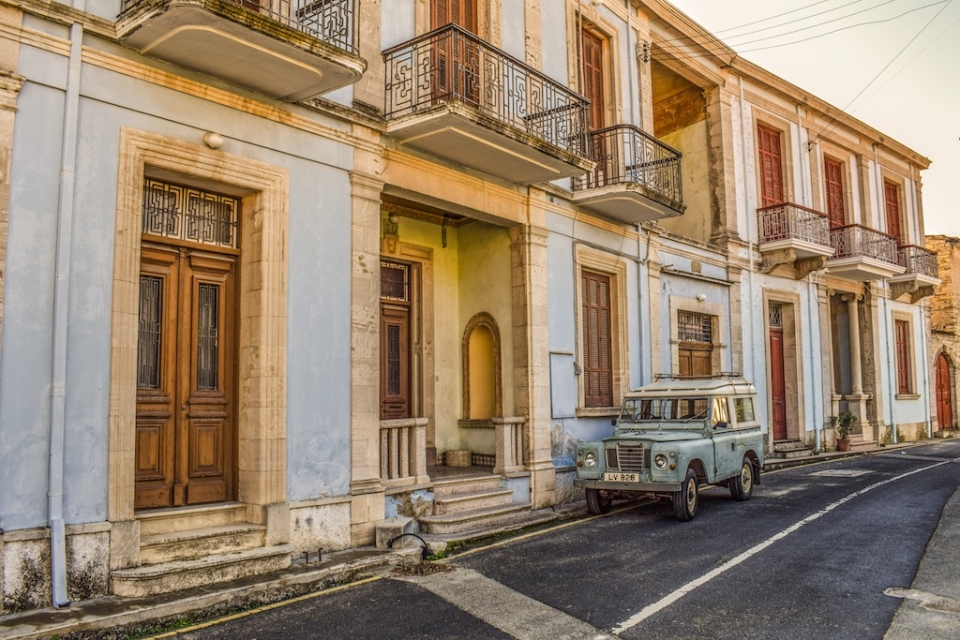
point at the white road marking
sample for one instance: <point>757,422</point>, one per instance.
<point>669,599</point>
<point>500,606</point>
<point>841,473</point>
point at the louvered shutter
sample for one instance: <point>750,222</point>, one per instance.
<point>597,361</point>
<point>771,166</point>
<point>891,196</point>
<point>833,180</point>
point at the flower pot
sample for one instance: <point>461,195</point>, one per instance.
<point>843,444</point>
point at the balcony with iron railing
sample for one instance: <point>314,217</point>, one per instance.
<point>921,272</point>
<point>451,94</point>
<point>793,234</point>
<point>287,49</point>
<point>637,177</point>
<point>862,253</point>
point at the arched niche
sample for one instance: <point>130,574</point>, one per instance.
<point>482,388</point>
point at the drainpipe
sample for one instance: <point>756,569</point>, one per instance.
<point>71,112</point>
<point>878,181</point>
<point>812,303</point>
<point>926,373</point>
<point>743,154</point>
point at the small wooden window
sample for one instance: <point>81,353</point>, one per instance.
<point>771,166</point>
<point>903,357</point>
<point>833,180</point>
<point>597,361</point>
<point>891,197</point>
<point>694,327</point>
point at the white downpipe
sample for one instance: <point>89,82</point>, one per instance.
<point>752,324</point>
<point>926,371</point>
<point>61,291</point>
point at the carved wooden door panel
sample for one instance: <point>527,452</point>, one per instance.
<point>185,427</point>
<point>394,362</point>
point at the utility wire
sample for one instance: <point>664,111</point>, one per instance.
<point>680,54</point>
<point>847,106</point>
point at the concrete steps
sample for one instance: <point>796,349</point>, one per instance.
<point>471,500</point>
<point>193,546</point>
<point>474,519</point>
<point>183,574</point>
<point>477,506</point>
<point>792,449</point>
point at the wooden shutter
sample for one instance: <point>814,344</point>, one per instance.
<point>903,357</point>
<point>593,79</point>
<point>771,166</point>
<point>597,367</point>
<point>891,196</point>
<point>833,180</point>
<point>459,12</point>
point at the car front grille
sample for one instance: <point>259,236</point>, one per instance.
<point>628,457</point>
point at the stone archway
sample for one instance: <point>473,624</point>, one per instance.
<point>482,375</point>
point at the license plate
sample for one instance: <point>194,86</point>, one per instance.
<point>621,477</point>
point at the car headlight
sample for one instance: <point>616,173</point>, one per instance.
<point>590,459</point>
<point>660,460</point>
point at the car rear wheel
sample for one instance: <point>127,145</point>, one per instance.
<point>741,486</point>
<point>597,502</point>
<point>686,500</point>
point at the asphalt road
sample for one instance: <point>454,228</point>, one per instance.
<point>808,557</point>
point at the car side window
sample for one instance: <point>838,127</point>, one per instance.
<point>720,418</point>
<point>744,409</point>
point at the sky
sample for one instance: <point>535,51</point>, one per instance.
<point>893,64</point>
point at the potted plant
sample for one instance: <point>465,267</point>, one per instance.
<point>843,422</point>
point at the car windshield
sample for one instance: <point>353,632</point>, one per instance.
<point>643,410</point>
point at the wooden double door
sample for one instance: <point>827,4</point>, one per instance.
<point>186,377</point>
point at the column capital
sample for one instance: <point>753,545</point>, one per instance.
<point>364,185</point>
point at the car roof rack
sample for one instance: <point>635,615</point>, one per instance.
<point>714,376</point>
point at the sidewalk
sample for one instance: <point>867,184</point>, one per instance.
<point>930,609</point>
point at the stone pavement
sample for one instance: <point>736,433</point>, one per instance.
<point>930,609</point>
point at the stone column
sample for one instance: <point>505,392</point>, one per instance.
<point>531,356</point>
<point>853,317</point>
<point>366,486</point>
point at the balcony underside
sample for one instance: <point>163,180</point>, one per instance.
<point>627,202</point>
<point>457,133</point>
<point>239,46</point>
<point>801,248</point>
<point>862,268</point>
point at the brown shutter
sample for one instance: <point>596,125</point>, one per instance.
<point>771,166</point>
<point>903,355</point>
<point>593,79</point>
<point>460,12</point>
<point>597,366</point>
<point>833,180</point>
<point>891,196</point>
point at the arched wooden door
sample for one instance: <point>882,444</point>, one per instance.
<point>944,393</point>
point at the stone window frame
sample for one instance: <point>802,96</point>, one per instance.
<point>616,268</point>
<point>793,328</point>
<point>911,349</point>
<point>850,164</point>
<point>716,311</point>
<point>262,334</point>
<point>787,162</point>
<point>906,212</point>
<point>594,22</point>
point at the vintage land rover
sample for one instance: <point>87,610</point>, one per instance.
<point>673,437</point>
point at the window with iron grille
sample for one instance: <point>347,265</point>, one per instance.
<point>394,281</point>
<point>694,327</point>
<point>597,359</point>
<point>184,213</point>
<point>776,316</point>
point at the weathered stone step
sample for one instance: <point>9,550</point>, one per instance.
<point>450,486</point>
<point>183,574</point>
<point>860,445</point>
<point>197,543</point>
<point>468,501</point>
<point>516,522</point>
<point>157,521</point>
<point>472,520</point>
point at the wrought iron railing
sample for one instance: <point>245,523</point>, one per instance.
<point>628,155</point>
<point>332,21</point>
<point>452,65</point>
<point>919,260</point>
<point>856,240</point>
<point>790,221</point>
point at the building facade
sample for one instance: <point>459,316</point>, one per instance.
<point>272,269</point>
<point>945,338</point>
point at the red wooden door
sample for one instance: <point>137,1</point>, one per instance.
<point>944,393</point>
<point>185,421</point>
<point>597,361</point>
<point>833,180</point>
<point>891,197</point>
<point>771,166</point>
<point>778,385</point>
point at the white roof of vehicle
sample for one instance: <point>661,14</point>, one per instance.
<point>691,386</point>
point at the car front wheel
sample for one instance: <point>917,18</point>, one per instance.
<point>686,500</point>
<point>741,486</point>
<point>598,503</point>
